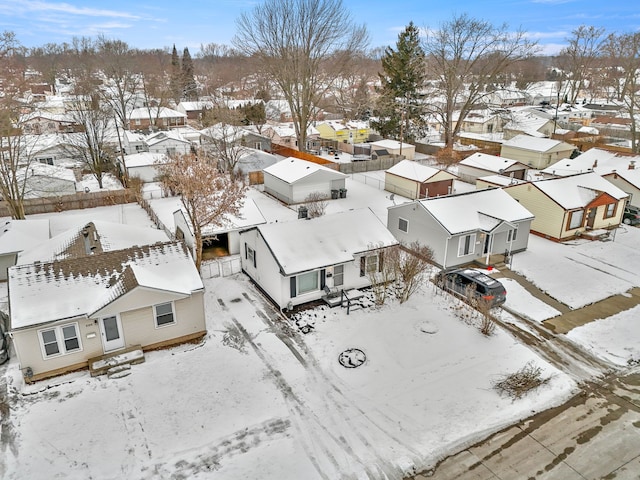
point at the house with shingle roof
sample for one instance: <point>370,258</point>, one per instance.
<point>414,180</point>
<point>537,153</point>
<point>84,299</point>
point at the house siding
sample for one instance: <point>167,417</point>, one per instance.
<point>549,216</point>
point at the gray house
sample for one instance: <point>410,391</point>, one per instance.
<point>483,226</point>
<point>292,180</point>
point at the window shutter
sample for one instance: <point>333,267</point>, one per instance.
<point>323,279</point>
<point>363,266</point>
<point>246,251</point>
<point>292,286</point>
<point>254,258</point>
<point>380,260</point>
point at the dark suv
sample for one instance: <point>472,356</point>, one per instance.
<point>472,285</point>
<point>631,215</point>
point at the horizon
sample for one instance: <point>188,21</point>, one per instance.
<point>162,24</point>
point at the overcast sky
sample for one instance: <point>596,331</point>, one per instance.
<point>162,23</point>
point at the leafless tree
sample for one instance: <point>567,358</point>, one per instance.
<point>624,52</point>
<point>302,45</point>
<point>465,56</point>
<point>411,263</point>
<point>316,203</point>
<point>579,57</point>
<point>207,195</point>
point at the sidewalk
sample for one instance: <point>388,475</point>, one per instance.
<point>570,319</point>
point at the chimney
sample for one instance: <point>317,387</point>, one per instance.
<point>595,163</point>
<point>632,165</point>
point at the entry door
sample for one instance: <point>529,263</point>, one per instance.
<point>111,331</point>
<point>591,217</point>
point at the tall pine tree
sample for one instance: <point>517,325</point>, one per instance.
<point>175,79</point>
<point>189,87</point>
<point>399,107</point>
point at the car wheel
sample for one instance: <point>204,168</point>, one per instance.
<point>627,221</point>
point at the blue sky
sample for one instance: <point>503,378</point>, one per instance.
<point>190,23</point>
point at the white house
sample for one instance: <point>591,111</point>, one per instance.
<point>537,153</point>
<point>143,165</point>
<point>168,142</point>
<point>292,180</point>
<point>293,262</point>
<point>482,164</point>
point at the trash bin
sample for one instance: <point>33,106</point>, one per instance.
<point>343,193</point>
<point>334,194</point>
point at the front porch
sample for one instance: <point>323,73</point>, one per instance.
<point>117,361</point>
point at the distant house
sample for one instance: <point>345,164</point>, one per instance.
<point>195,110</point>
<point>529,123</point>
<point>17,236</point>
<point>293,262</point>
<point>343,132</point>
<point>133,142</point>
<point>168,142</point>
<point>383,148</point>
<point>292,180</point>
<point>537,153</point>
<point>481,164</point>
<point>566,207</point>
<point>478,226</point>
<point>143,165</point>
<point>44,180</point>
<point>38,123</point>
<point>231,135</point>
<point>285,135</point>
<point>68,312</point>
<point>482,122</point>
<point>413,180</point>
<point>163,118</point>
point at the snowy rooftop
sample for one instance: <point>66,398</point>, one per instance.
<point>164,135</point>
<point>390,144</point>
<point>468,212</point>
<point>488,162</point>
<point>292,169</point>
<point>576,191</point>
<point>79,286</point>
<point>144,113</point>
<point>527,142</point>
<point>594,159</point>
<point>501,180</point>
<point>302,245</point>
<point>413,170</point>
<point>19,235</point>
<point>144,159</point>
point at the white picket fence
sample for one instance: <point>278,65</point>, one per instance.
<point>221,267</point>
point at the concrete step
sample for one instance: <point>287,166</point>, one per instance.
<point>119,371</point>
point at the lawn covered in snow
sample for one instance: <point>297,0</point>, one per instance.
<point>258,399</point>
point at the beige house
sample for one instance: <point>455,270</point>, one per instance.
<point>481,164</point>
<point>537,153</point>
<point>413,180</point>
<point>67,313</point>
<point>382,148</point>
<point>567,207</point>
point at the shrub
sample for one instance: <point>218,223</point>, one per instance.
<point>518,384</point>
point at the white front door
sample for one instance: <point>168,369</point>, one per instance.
<point>111,331</point>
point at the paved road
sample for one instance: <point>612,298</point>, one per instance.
<point>596,435</point>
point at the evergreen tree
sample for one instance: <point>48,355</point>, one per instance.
<point>175,79</point>
<point>399,108</point>
<point>189,87</point>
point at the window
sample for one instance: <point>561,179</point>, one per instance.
<point>467,245</point>
<point>403,225</point>
<point>164,314</point>
<point>257,145</point>
<point>307,282</point>
<point>575,219</point>
<point>46,161</point>
<point>60,340</point>
<point>338,275</point>
<point>368,265</point>
<point>250,255</point>
<point>511,236</point>
<point>611,210</point>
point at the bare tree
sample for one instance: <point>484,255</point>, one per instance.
<point>465,56</point>
<point>316,203</point>
<point>302,45</point>
<point>411,263</point>
<point>579,58</point>
<point>208,195</point>
<point>624,52</point>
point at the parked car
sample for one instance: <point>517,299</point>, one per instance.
<point>631,215</point>
<point>473,285</point>
<point>4,344</point>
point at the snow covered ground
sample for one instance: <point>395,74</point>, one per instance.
<point>258,399</point>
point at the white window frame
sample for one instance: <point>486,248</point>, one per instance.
<point>578,214</point>
<point>309,275</point>
<point>511,237</point>
<point>406,223</point>
<point>612,207</point>
<point>462,244</point>
<point>338,275</point>
<point>60,340</point>
<point>250,255</point>
<point>156,315</point>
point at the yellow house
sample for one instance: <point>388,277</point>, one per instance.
<point>568,206</point>
<point>349,132</point>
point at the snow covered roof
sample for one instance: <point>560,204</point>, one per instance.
<point>252,160</point>
<point>597,160</point>
<point>527,142</point>
<point>45,170</point>
<point>413,170</point>
<point>390,145</point>
<point>163,136</point>
<point>501,180</point>
<point>577,191</point>
<point>144,113</point>
<point>46,292</point>
<point>527,122</point>
<point>108,237</point>
<point>292,169</point>
<point>303,245</point>
<point>469,211</point>
<point>491,163</point>
<point>19,235</point>
<point>144,159</point>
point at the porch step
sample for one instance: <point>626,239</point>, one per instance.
<point>119,371</point>
<point>128,356</point>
